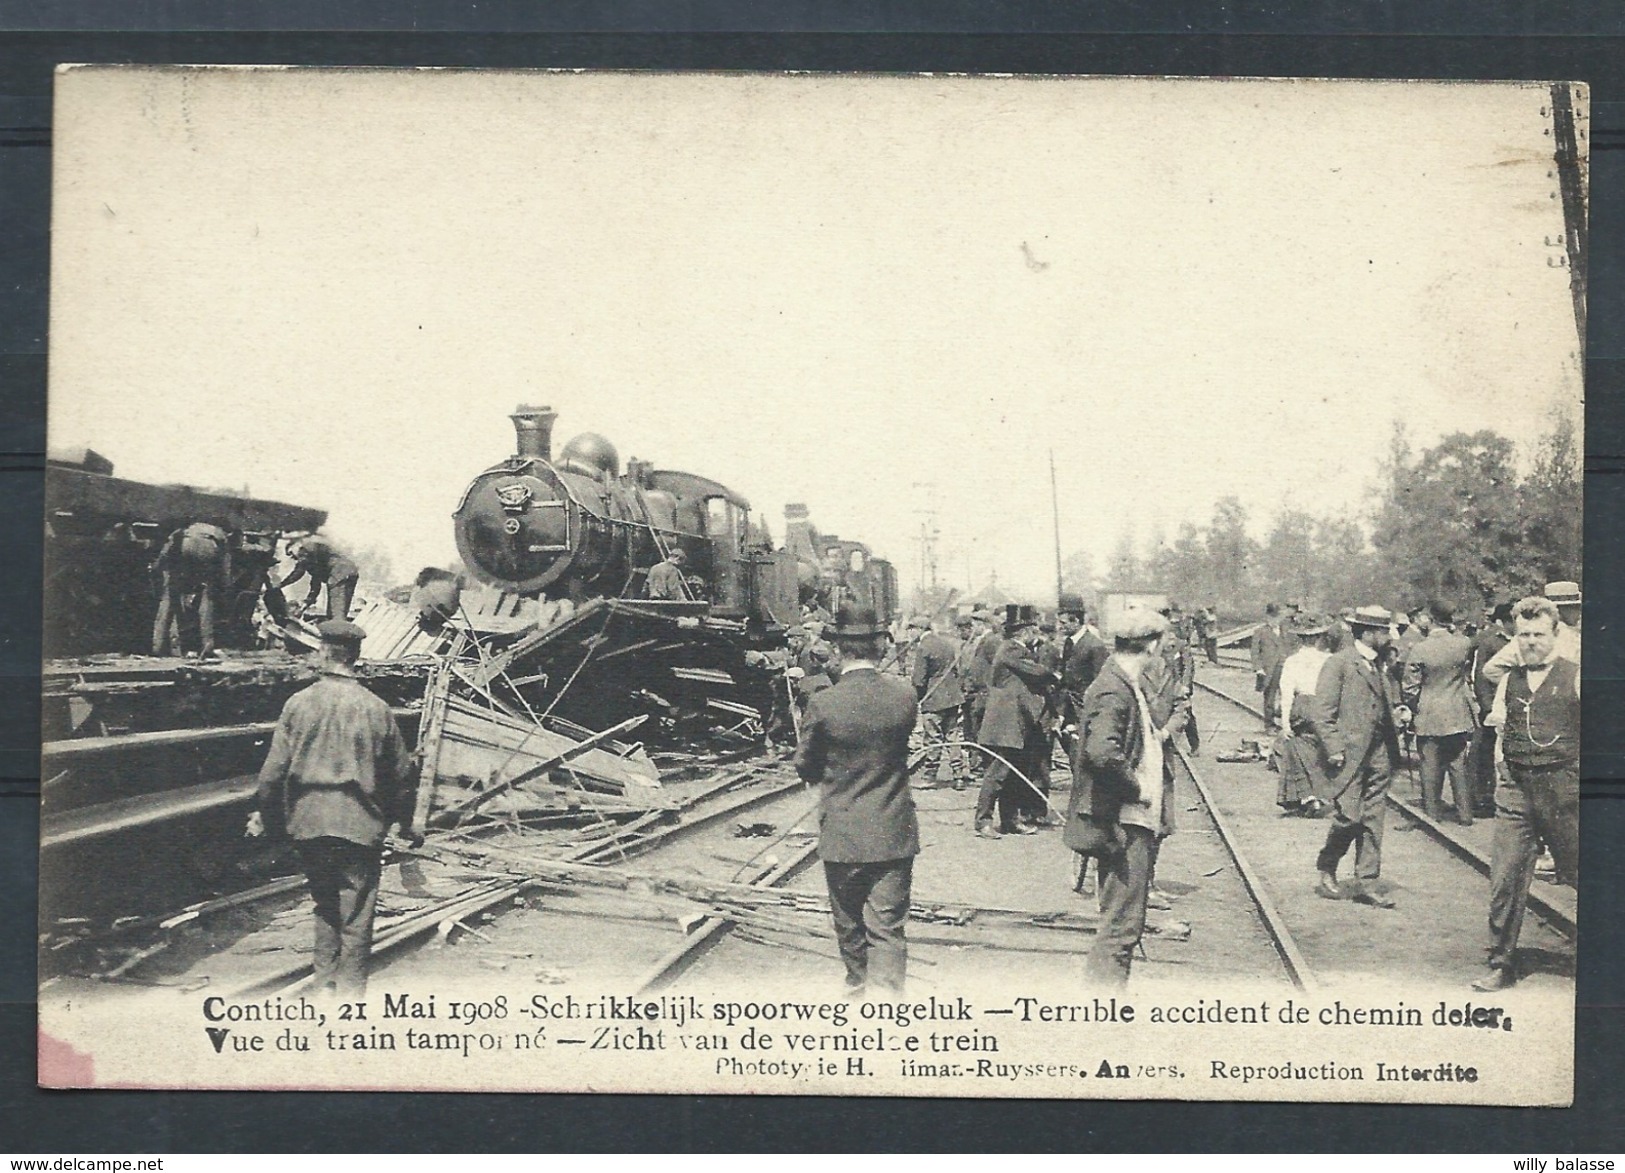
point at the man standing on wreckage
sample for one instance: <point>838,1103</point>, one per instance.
<point>1122,796</point>
<point>854,745</point>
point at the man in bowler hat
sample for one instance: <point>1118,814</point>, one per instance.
<point>1356,722</point>
<point>854,746</point>
<point>334,781</point>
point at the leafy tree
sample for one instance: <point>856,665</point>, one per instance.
<point>1448,521</point>
<point>1551,508</point>
<point>1232,558</point>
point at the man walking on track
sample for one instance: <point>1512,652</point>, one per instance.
<point>1121,795</point>
<point>333,782</point>
<point>1356,722</point>
<point>854,745</point>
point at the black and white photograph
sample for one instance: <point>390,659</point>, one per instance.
<point>813,584</point>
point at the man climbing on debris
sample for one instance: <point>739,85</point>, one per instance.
<point>194,559</point>
<point>666,578</point>
<point>326,566</point>
<point>334,781</point>
<point>854,745</point>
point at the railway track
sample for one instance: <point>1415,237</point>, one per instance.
<point>1557,913</point>
<point>1438,875</point>
<point>667,900</point>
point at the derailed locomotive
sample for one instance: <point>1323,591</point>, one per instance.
<point>578,527</point>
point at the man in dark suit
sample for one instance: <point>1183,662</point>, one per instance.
<point>941,696</point>
<point>978,677</point>
<point>1013,728</point>
<point>1121,805</point>
<point>1271,646</point>
<point>1435,689</point>
<point>1356,722</point>
<point>854,745</point>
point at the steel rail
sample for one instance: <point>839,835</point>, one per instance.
<point>711,929</point>
<point>1286,946</point>
<point>1558,918</point>
<point>493,893</point>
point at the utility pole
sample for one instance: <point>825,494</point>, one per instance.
<point>1055,511</point>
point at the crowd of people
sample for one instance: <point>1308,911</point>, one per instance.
<point>1490,708</point>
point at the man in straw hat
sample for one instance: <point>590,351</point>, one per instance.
<point>854,745</point>
<point>1121,795</point>
<point>1356,721</point>
<point>333,782</point>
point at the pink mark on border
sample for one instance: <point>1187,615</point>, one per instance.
<point>60,1065</point>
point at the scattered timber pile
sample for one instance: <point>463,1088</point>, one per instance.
<point>149,764</point>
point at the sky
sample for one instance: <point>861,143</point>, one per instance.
<point>862,293</point>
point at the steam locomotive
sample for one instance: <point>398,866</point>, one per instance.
<point>577,527</point>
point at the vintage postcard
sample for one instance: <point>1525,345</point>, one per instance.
<point>813,584</point>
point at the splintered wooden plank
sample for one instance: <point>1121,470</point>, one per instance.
<point>479,743</point>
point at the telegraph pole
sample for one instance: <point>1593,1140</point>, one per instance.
<point>1055,512</point>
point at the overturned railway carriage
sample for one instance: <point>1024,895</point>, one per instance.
<point>103,533</point>
<point>577,527</point>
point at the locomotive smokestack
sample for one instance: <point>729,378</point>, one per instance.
<point>533,431</point>
<point>798,531</point>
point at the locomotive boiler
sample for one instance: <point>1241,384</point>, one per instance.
<point>577,527</point>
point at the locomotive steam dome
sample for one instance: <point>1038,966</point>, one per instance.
<point>590,454</point>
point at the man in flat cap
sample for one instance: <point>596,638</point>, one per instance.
<point>854,747</point>
<point>1356,721</point>
<point>665,579</point>
<point>1121,805</point>
<point>327,566</point>
<point>334,781</point>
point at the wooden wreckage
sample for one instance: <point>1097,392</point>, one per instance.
<point>514,717</point>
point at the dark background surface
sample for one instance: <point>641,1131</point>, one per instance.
<point>1422,40</point>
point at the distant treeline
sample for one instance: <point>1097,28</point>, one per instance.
<point>1456,522</point>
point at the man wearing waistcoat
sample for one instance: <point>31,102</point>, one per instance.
<point>1537,707</point>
